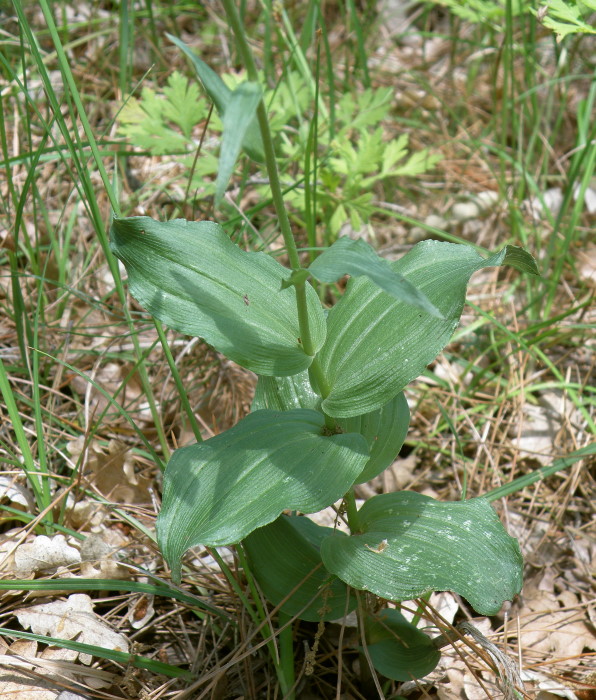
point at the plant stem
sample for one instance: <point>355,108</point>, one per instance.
<point>286,654</point>
<point>352,512</point>
<point>274,182</point>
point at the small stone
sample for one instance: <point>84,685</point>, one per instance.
<point>436,221</point>
<point>553,199</point>
<point>463,211</point>
<point>589,198</point>
<point>486,200</point>
<point>417,234</point>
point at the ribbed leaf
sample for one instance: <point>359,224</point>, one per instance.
<point>385,430</point>
<point>397,649</point>
<point>356,258</point>
<point>376,344</point>
<point>411,544</point>
<point>238,117</point>
<point>219,491</point>
<point>220,94</point>
<point>191,276</point>
<point>284,556</point>
<point>514,257</point>
<point>285,393</point>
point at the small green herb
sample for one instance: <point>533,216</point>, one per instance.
<point>329,410</point>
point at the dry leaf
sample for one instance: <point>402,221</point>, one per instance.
<point>110,378</point>
<point>44,554</point>
<point>16,492</point>
<point>140,611</point>
<point>72,619</point>
<point>85,514</point>
<point>553,624</point>
<point>463,683</point>
<point>15,681</point>
<point>112,471</point>
<point>98,560</point>
<point>542,425</point>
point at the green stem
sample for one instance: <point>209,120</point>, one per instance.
<point>305,337</point>
<point>274,182</point>
<point>286,654</point>
<point>352,512</point>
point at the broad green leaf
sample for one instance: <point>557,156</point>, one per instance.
<point>191,276</point>
<point>384,430</point>
<point>397,649</point>
<point>284,558</point>
<point>239,115</point>
<point>285,394</point>
<point>411,544</point>
<point>221,94</point>
<point>218,491</point>
<point>376,345</point>
<point>355,257</point>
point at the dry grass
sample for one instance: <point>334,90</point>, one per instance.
<point>491,386</point>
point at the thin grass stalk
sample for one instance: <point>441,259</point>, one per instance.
<point>40,426</point>
<point>309,220</point>
<point>73,92</point>
<point>268,65</point>
<point>283,668</point>
<point>21,317</point>
<point>315,150</point>
<point>23,517</point>
<point>259,617</point>
<point>526,480</point>
<point>94,584</point>
<point>152,25</point>
<point>125,45</point>
<point>300,60</point>
<point>90,195</point>
<point>28,465</point>
<point>124,658</point>
<point>362,59</point>
<point>455,433</point>
<point>542,357</point>
<point>182,393</point>
<point>309,25</point>
<point>276,193</point>
<point>580,173</point>
<point>330,80</point>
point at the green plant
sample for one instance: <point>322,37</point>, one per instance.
<point>561,17</point>
<point>329,410</point>
<point>52,204</point>
<point>357,159</point>
<point>357,156</point>
<point>564,18</point>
